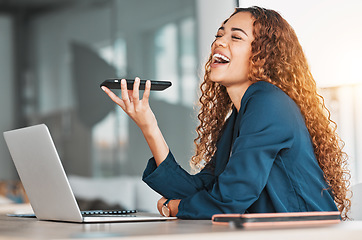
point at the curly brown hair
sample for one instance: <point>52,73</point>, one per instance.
<point>278,58</point>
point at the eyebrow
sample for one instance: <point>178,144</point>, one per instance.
<point>235,29</point>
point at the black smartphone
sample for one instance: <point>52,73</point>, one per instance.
<point>115,83</point>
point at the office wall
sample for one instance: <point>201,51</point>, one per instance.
<point>52,34</point>
<point>101,28</point>
<point>51,87</point>
<point>7,170</point>
<point>61,97</point>
<point>210,15</point>
<point>58,39</point>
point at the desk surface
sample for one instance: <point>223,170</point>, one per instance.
<point>28,228</point>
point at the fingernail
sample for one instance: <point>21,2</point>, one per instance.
<point>103,88</point>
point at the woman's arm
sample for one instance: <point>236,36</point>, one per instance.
<point>140,112</point>
<point>170,180</point>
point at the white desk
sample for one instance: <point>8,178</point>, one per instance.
<point>27,228</point>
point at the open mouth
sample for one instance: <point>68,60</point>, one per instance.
<point>220,59</point>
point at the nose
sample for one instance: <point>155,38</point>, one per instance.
<point>220,42</point>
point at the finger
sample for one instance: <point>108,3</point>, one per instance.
<point>124,92</point>
<point>113,96</point>
<point>136,87</point>
<point>146,94</point>
<point>160,204</point>
<point>130,95</point>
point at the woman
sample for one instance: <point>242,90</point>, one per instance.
<point>264,141</point>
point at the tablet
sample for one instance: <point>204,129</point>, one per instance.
<point>278,219</point>
<point>115,83</point>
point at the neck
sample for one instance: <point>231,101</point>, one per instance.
<point>236,93</point>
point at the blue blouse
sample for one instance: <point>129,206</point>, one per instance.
<point>264,163</point>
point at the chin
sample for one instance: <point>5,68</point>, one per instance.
<point>216,79</point>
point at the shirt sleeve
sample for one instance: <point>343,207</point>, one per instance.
<point>171,181</point>
<point>265,129</point>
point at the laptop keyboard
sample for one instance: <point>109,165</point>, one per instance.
<point>108,212</point>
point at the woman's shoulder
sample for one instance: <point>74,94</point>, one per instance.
<point>266,101</point>
<point>266,94</point>
<point>263,88</point>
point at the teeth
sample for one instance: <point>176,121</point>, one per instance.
<point>218,56</point>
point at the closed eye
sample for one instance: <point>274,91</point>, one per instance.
<point>238,38</point>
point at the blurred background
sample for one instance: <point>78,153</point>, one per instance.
<point>55,53</point>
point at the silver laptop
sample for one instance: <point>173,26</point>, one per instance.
<point>46,184</point>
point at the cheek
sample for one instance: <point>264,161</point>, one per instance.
<point>242,61</point>
<point>244,57</point>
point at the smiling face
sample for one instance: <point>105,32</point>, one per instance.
<point>231,51</point>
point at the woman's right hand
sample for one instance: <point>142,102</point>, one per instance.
<point>140,112</point>
<point>137,109</point>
